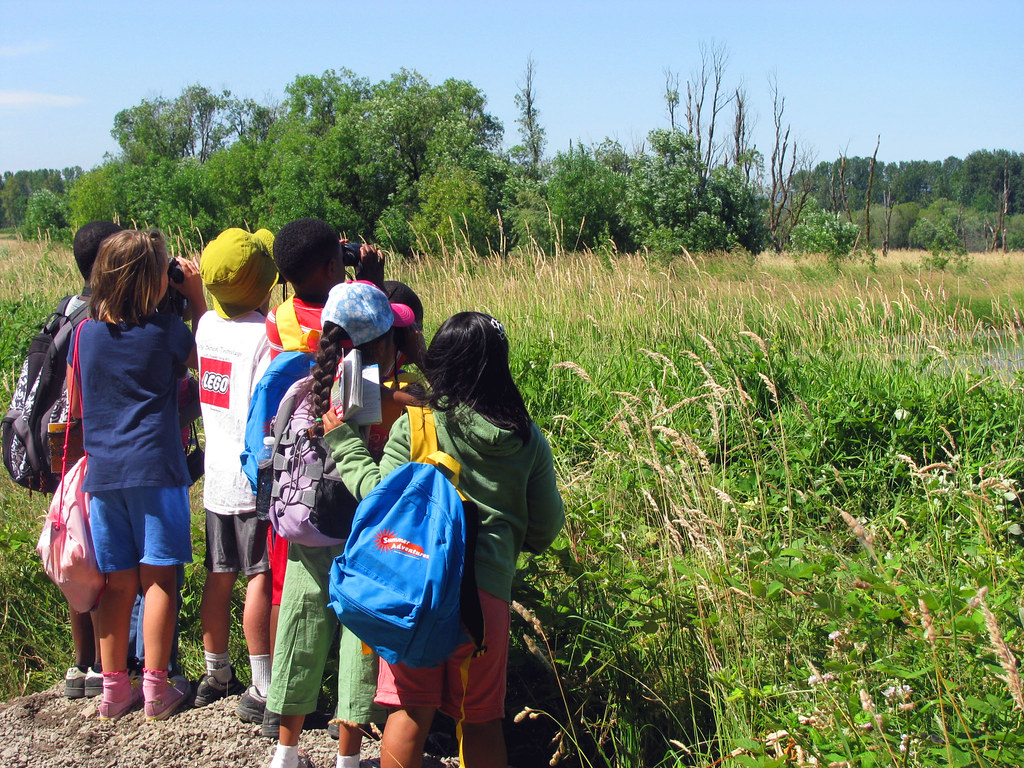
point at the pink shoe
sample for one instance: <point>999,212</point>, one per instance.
<point>163,696</point>
<point>120,693</point>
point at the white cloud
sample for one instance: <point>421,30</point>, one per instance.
<point>25,49</point>
<point>18,99</point>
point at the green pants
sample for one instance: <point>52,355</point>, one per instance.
<point>305,629</point>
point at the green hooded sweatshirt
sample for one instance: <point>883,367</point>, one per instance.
<point>512,482</point>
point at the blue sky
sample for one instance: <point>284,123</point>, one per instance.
<point>933,78</point>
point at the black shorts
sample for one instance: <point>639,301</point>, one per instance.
<point>236,543</point>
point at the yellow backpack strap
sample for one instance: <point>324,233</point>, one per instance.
<point>288,328</point>
<point>423,444</point>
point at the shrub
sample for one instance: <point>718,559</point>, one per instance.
<point>823,232</point>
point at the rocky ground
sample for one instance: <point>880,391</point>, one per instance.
<point>46,730</point>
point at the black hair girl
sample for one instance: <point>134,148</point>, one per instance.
<point>467,366</point>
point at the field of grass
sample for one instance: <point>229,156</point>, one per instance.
<point>794,523</point>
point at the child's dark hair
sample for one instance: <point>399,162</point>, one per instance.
<point>467,366</point>
<point>130,269</point>
<point>86,246</point>
<point>328,354</point>
<point>303,246</point>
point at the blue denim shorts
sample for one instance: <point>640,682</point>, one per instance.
<point>135,526</point>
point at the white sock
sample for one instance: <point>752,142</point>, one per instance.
<point>347,761</point>
<point>261,666</point>
<point>285,757</point>
<point>218,665</point>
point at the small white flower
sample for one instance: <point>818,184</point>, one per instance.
<point>900,414</point>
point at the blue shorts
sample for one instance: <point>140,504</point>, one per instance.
<point>134,526</point>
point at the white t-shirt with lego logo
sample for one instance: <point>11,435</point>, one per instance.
<point>233,354</point>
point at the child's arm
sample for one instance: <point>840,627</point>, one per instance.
<point>74,403</point>
<point>371,265</point>
<point>192,289</point>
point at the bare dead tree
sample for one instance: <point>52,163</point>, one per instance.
<point>702,117</point>
<point>671,96</point>
<point>887,201</point>
<point>529,120</point>
<point>1004,204</point>
<point>742,150</point>
<point>842,187</point>
<point>785,204</point>
<point>867,198</point>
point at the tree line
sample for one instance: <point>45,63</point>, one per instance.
<point>420,167</point>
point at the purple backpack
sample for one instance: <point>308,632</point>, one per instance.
<point>309,503</point>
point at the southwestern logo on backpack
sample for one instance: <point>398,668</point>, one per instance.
<point>406,583</point>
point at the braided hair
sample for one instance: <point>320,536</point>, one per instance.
<point>333,342</point>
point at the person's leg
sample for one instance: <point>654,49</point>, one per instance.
<point>136,646</point>
<point>215,610</point>
<point>83,637</point>
<point>179,574</point>
<point>357,686</point>
<point>291,729</point>
<point>159,585</point>
<point>305,633</point>
<point>405,736</point>
<point>113,616</point>
<point>483,745</point>
<point>256,614</point>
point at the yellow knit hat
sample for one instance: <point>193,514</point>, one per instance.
<point>238,269</point>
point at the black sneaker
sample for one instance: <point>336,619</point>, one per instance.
<point>74,682</point>
<point>251,706</point>
<point>271,727</point>
<point>93,683</point>
<point>210,689</point>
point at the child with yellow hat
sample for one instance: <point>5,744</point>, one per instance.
<point>238,270</point>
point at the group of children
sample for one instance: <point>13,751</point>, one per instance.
<point>131,360</point>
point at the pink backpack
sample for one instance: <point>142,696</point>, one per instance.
<point>65,544</point>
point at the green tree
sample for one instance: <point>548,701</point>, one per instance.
<point>585,197</point>
<point>92,196</point>
<point>670,208</point>
<point>453,211</point>
<point>195,124</point>
<point>46,215</point>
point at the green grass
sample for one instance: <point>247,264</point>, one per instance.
<point>791,489</point>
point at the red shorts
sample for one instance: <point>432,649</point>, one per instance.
<point>441,687</point>
<point>278,548</point>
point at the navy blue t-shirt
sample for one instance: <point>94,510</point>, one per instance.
<point>129,381</point>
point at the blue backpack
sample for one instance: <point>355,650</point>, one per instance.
<point>284,370</point>
<point>406,582</point>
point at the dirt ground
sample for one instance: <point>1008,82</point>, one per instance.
<point>46,730</point>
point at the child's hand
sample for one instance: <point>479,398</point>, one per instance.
<point>192,286</point>
<point>371,265</point>
<point>331,420</point>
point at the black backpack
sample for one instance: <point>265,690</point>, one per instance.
<point>40,398</point>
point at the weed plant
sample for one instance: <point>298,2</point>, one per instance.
<point>792,491</point>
